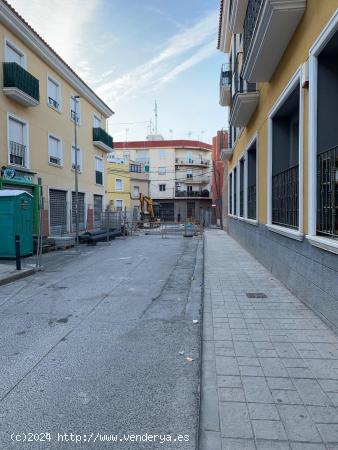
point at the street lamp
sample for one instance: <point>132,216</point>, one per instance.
<point>76,97</point>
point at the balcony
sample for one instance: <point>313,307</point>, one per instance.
<point>225,86</point>
<point>244,102</point>
<point>20,85</point>
<point>199,194</point>
<point>191,162</point>
<point>17,154</point>
<point>198,179</point>
<point>237,15</point>
<point>102,140</point>
<point>268,28</point>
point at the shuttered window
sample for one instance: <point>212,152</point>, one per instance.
<point>53,92</point>
<point>55,151</point>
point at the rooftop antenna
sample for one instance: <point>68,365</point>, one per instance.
<point>171,133</point>
<point>156,116</point>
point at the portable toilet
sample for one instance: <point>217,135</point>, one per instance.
<point>16,218</point>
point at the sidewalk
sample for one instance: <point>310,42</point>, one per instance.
<point>8,272</point>
<point>270,365</point>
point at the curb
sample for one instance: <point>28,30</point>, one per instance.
<point>16,276</point>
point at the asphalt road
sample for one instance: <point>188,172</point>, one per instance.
<point>90,346</point>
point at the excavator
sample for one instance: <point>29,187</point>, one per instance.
<point>148,214</point>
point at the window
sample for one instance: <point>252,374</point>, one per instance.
<point>118,184</point>
<point>189,157</point>
<point>189,189</point>
<point>230,194</point>
<point>235,192</point>
<point>162,170</point>
<point>53,94</point>
<point>14,54</point>
<point>96,122</point>
<point>162,154</point>
<point>119,205</point>
<point>136,191</point>
<point>189,173</point>
<point>98,170</point>
<point>55,150</point>
<point>285,162</point>
<point>135,168</point>
<point>241,187</point>
<point>17,142</point>
<point>252,182</point>
<point>142,157</point>
<point>75,110</point>
<point>162,187</point>
<point>79,159</point>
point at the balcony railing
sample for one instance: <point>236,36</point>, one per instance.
<point>225,78</point>
<point>285,204</point>
<point>53,103</point>
<point>16,77</point>
<point>252,202</point>
<point>327,193</point>
<point>100,135</point>
<point>203,193</point>
<point>249,23</point>
<point>192,161</point>
<point>17,153</point>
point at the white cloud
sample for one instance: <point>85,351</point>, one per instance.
<point>198,41</point>
<point>63,24</point>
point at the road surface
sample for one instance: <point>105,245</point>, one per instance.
<point>90,348</point>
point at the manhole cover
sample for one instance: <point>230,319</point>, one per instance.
<point>256,295</point>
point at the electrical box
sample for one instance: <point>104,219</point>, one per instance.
<point>16,218</point>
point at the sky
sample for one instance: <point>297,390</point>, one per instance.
<point>137,51</point>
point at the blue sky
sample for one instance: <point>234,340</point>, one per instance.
<point>133,52</point>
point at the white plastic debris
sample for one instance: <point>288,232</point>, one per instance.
<point>189,359</point>
<point>181,352</point>
<point>195,321</point>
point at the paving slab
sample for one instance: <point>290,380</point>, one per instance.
<point>274,362</point>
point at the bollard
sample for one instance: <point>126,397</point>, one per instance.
<point>17,252</point>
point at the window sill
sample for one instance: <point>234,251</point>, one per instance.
<point>58,110</point>
<point>233,216</point>
<point>99,185</point>
<point>287,232</point>
<point>60,166</point>
<point>324,243</point>
<point>252,221</point>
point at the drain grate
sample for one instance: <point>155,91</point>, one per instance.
<point>256,295</point>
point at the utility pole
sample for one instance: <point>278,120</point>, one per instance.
<point>76,97</point>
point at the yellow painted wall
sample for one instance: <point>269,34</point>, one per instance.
<point>316,17</point>
<point>43,120</point>
<point>118,171</point>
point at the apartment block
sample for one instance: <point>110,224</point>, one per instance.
<point>179,175</point>
<point>279,82</point>
<point>41,100</point>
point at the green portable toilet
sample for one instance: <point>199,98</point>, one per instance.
<point>16,218</point>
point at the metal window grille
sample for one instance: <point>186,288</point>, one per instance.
<point>327,193</point>
<point>81,211</point>
<point>98,207</point>
<point>17,153</point>
<point>250,21</point>
<point>252,202</point>
<point>230,193</point>
<point>285,205</point>
<point>241,188</point>
<point>53,102</point>
<point>235,192</point>
<point>58,211</point>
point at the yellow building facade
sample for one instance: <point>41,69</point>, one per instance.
<point>280,85</point>
<point>118,184</point>
<point>41,99</point>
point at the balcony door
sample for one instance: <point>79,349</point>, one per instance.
<point>17,142</point>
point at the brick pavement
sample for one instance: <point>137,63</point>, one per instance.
<point>270,365</point>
